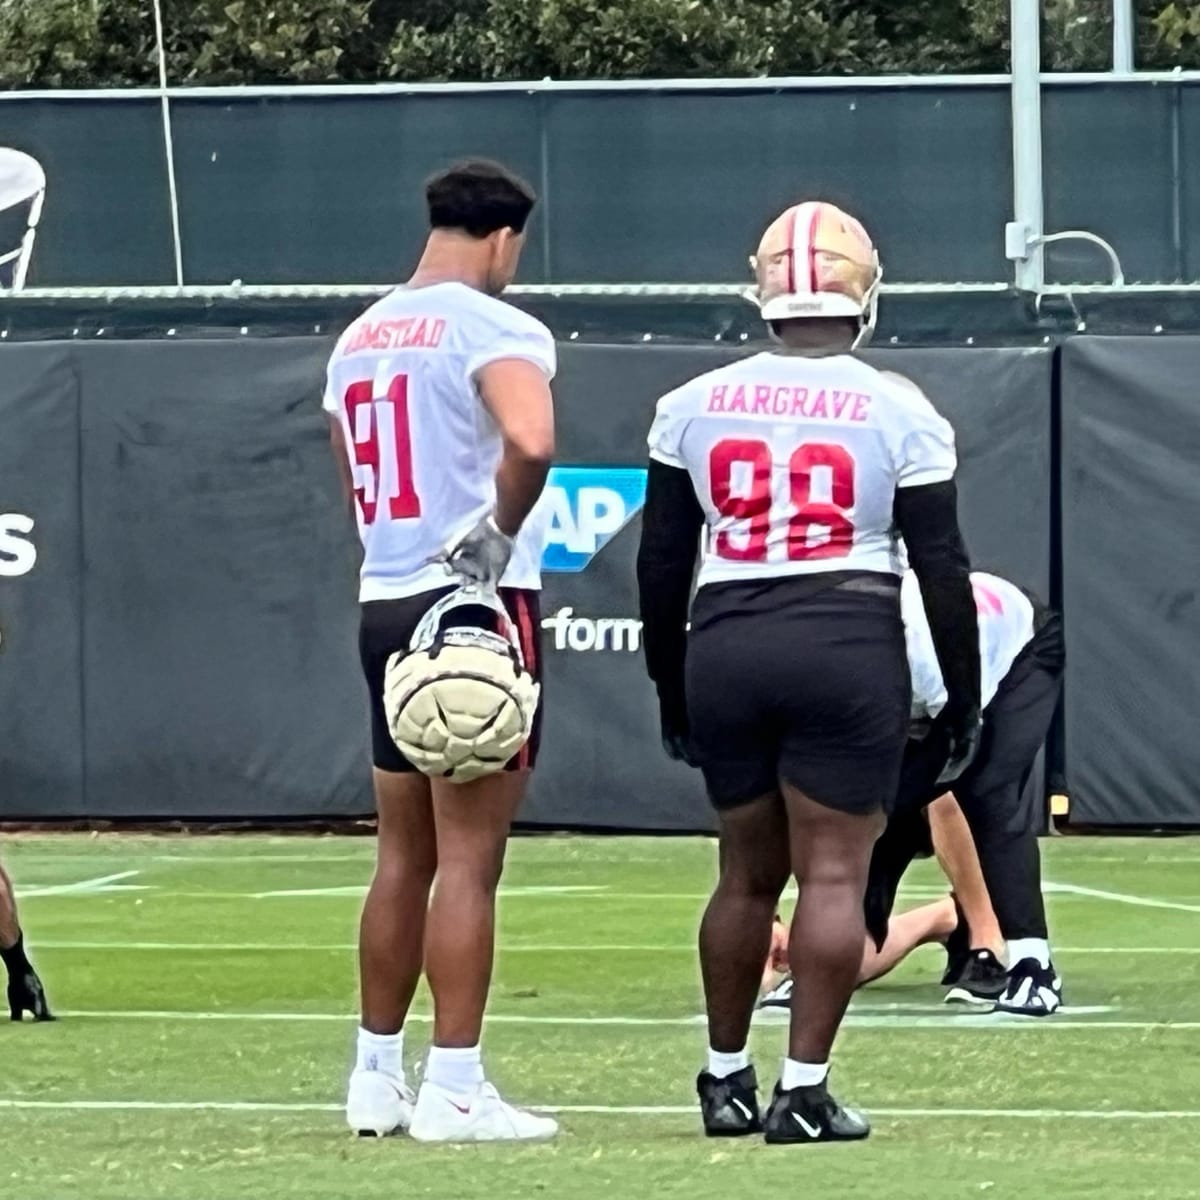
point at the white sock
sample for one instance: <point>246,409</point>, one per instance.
<point>381,1052</point>
<point>1021,948</point>
<point>458,1070</point>
<point>723,1065</point>
<point>799,1074</point>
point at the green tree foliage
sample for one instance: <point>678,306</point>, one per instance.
<point>102,43</point>
<point>1178,35</point>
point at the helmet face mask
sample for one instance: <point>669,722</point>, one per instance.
<point>460,704</point>
<point>816,262</point>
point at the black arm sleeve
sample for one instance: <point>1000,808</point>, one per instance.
<point>927,518</point>
<point>671,524</point>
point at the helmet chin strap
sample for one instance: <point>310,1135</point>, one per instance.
<point>866,329</point>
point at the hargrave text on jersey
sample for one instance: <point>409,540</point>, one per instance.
<point>767,400</point>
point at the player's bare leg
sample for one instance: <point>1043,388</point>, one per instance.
<point>472,822</point>
<point>955,850</point>
<point>25,991</point>
<point>735,938</point>
<point>10,929</point>
<point>831,855</point>
<point>918,927</point>
<point>391,948</point>
<point>392,930</point>
<point>735,934</point>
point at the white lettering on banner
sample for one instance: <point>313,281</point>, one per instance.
<point>621,634</point>
<point>17,554</point>
<point>600,512</point>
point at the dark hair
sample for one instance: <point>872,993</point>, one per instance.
<point>479,196</point>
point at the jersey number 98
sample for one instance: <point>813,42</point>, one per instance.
<point>753,506</point>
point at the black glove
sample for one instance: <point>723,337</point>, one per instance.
<point>963,732</point>
<point>26,995</point>
<point>481,555</point>
<point>676,739</point>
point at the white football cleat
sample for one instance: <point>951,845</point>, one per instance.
<point>378,1104</point>
<point>780,996</point>
<point>442,1116</point>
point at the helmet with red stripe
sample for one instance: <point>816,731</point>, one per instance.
<point>816,261</point>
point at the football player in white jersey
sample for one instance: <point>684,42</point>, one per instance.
<point>1022,659</point>
<point>791,691</point>
<point>25,991</point>
<point>443,422</point>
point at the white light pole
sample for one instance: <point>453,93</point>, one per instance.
<point>1022,235</point>
<point>1124,36</point>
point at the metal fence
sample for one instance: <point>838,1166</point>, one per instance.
<point>645,184</point>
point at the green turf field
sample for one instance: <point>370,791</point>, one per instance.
<point>207,990</point>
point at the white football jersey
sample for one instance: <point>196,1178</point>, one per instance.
<point>1005,629</point>
<point>796,462</point>
<point>423,448</point>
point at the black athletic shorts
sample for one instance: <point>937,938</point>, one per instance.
<point>805,680</point>
<point>1015,726</point>
<point>388,625</point>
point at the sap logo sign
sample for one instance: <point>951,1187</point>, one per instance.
<point>586,507</point>
<point>17,554</point>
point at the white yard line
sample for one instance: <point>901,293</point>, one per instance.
<point>1118,897</point>
<point>650,1110</point>
<point>84,887</point>
<point>360,889</point>
<point>529,948</point>
<point>865,1018</point>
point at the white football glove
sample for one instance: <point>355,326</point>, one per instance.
<point>481,555</point>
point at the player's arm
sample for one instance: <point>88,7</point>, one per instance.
<point>671,523</point>
<point>927,518</point>
<point>513,382</point>
<point>926,515</point>
<point>516,392</point>
<point>959,860</point>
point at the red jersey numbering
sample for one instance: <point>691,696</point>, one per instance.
<point>380,426</point>
<point>815,529</point>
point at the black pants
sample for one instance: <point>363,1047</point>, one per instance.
<point>992,794</point>
<point>800,679</point>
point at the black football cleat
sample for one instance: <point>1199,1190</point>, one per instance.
<point>26,995</point>
<point>810,1114</point>
<point>983,980</point>
<point>729,1106</point>
<point>958,948</point>
<point>1033,990</point>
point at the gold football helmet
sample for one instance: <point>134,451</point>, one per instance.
<point>814,260</point>
<point>460,702</point>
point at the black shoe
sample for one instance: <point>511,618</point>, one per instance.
<point>1033,990</point>
<point>982,982</point>
<point>26,995</point>
<point>811,1114</point>
<point>729,1106</point>
<point>958,948</point>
